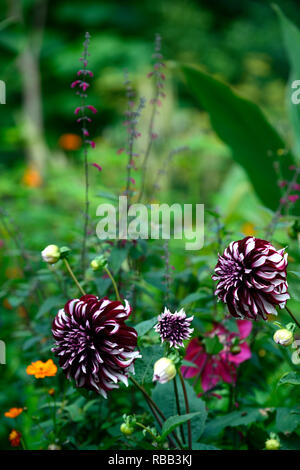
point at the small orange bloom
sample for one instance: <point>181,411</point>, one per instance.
<point>32,178</point>
<point>51,391</point>
<point>70,141</point>
<point>13,412</point>
<point>15,438</point>
<point>42,369</point>
<point>248,229</point>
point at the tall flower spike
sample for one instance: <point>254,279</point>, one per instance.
<point>94,345</point>
<point>251,277</point>
<point>174,327</point>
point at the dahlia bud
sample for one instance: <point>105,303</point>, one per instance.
<point>54,447</point>
<point>164,370</point>
<point>99,263</point>
<point>283,337</point>
<point>126,429</point>
<point>51,254</point>
<point>272,444</point>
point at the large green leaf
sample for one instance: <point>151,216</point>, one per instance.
<point>171,423</point>
<point>292,378</point>
<point>291,39</point>
<point>255,144</point>
<point>163,395</point>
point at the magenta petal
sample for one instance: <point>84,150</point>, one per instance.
<point>210,376</point>
<point>244,355</point>
<point>97,166</point>
<point>245,327</point>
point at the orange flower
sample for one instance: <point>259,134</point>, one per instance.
<point>248,229</point>
<point>70,141</point>
<point>51,391</point>
<point>15,438</point>
<point>13,412</point>
<point>32,178</point>
<point>42,369</point>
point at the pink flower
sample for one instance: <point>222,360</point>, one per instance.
<point>84,85</point>
<point>214,368</point>
<point>74,84</point>
<point>293,197</point>
<point>92,108</point>
<point>97,166</point>
<point>91,142</point>
<point>77,110</point>
<point>282,184</point>
<point>296,187</point>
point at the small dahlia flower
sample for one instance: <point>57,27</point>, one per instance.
<point>174,327</point>
<point>51,254</point>
<point>284,337</point>
<point>164,370</point>
<point>94,345</point>
<point>251,277</point>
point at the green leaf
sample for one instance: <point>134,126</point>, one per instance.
<point>48,304</point>
<point>171,423</point>
<point>292,378</point>
<point>200,446</point>
<point>189,299</point>
<point>145,326</point>
<point>213,345</point>
<point>236,418</point>
<point>117,257</point>
<point>243,127</point>
<point>287,420</point>
<point>163,395</point>
<point>291,39</point>
<point>144,366</point>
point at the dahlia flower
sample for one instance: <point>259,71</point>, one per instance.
<point>251,277</point>
<point>94,345</point>
<point>174,327</point>
<point>214,368</point>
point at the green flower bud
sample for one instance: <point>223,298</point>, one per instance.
<point>164,370</point>
<point>235,349</point>
<point>272,444</point>
<point>283,337</point>
<point>99,263</point>
<point>51,254</point>
<point>126,429</point>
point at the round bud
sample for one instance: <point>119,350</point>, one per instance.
<point>126,429</point>
<point>235,349</point>
<point>51,254</point>
<point>164,370</point>
<point>283,337</point>
<point>272,444</point>
<point>98,263</point>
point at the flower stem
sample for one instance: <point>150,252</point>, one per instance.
<point>113,283</point>
<point>178,407</point>
<point>187,408</point>
<point>154,406</point>
<point>147,430</point>
<point>292,316</point>
<point>73,276</point>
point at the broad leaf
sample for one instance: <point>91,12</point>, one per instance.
<point>255,144</point>
<point>171,423</point>
<point>145,326</point>
<point>292,378</point>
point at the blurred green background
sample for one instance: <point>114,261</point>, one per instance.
<point>41,162</point>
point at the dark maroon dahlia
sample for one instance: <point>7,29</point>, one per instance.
<point>251,277</point>
<point>93,343</point>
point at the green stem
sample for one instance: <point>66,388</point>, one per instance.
<point>113,283</point>
<point>146,429</point>
<point>73,276</point>
<point>187,407</point>
<point>292,316</point>
<point>178,407</point>
<point>154,406</point>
